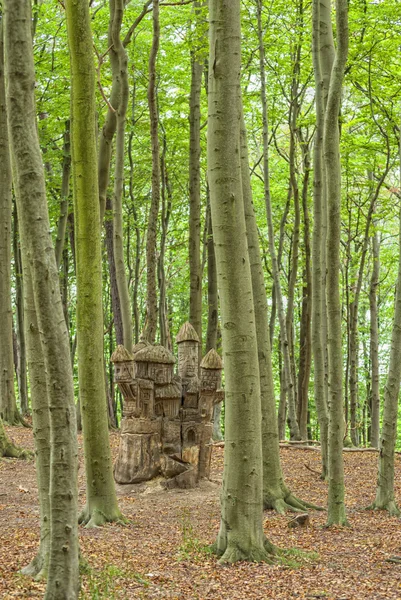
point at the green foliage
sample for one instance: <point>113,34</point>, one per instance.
<point>191,548</point>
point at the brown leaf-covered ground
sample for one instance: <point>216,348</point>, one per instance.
<point>162,551</point>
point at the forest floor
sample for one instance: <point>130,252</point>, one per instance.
<point>162,552</point>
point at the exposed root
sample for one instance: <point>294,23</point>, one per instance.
<point>235,554</point>
<point>289,502</point>
<point>281,507</point>
<point>97,518</point>
<point>302,504</point>
<point>390,506</point>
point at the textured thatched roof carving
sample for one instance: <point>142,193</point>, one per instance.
<point>155,354</point>
<point>172,390</point>
<point>212,360</point>
<point>121,354</point>
<point>140,345</point>
<point>187,334</point>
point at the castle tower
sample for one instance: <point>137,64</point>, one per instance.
<point>188,349</point>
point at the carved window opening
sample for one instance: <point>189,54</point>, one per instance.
<point>191,437</point>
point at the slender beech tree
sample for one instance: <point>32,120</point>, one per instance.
<point>241,534</point>
<point>8,405</point>
<point>65,191</point>
<point>19,317</point>
<point>39,258</point>
<point>195,269</point>
<point>101,500</point>
<point>121,114</point>
<point>39,566</point>
<point>374,343</point>
<point>151,239</point>
<point>288,379</point>
<point>385,499</point>
<point>321,42</point>
<point>332,164</point>
<point>276,495</point>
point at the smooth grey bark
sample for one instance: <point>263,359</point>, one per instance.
<point>212,311</point>
<point>166,204</point>
<point>305,334</point>
<point>374,344</point>
<point>8,405</point>
<point>289,383</point>
<point>331,154</point>
<point>29,183</point>
<point>354,311</point>
<point>385,499</point>
<point>318,244</point>
<point>151,238</point>
<point>39,566</point>
<point>115,298</point>
<point>276,494</point>
<point>101,500</point>
<point>241,534</point>
<point>19,314</point>
<point>65,189</point>
<point>195,268</point>
<point>121,114</point>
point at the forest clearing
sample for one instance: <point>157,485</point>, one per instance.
<point>200,299</point>
<point>162,551</point>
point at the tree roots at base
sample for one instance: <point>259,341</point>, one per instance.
<point>97,518</point>
<point>390,506</point>
<point>289,502</point>
<point>233,553</point>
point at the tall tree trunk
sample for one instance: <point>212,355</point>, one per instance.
<point>354,311</point>
<point>115,298</point>
<point>151,268</point>
<point>65,189</point>
<point>241,534</point>
<point>8,405</point>
<point>374,344</point>
<point>331,154</point>
<point>137,238</point>
<point>385,499</point>
<point>292,418</point>
<point>39,257</point>
<point>212,294</point>
<point>195,275</point>
<point>39,566</point>
<point>166,197</point>
<point>276,495</point>
<point>19,313</point>
<point>101,500</point>
<point>321,30</point>
<point>305,352</point>
<point>118,231</point>
<point>212,310</point>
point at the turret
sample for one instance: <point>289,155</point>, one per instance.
<point>188,349</point>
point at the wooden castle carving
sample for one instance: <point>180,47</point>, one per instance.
<point>167,421</point>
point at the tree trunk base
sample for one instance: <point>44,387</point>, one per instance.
<point>286,501</point>
<point>37,568</point>
<point>234,553</point>
<point>390,506</point>
<point>94,517</point>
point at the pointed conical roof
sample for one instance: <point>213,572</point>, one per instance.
<point>121,354</point>
<point>212,360</point>
<point>187,334</point>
